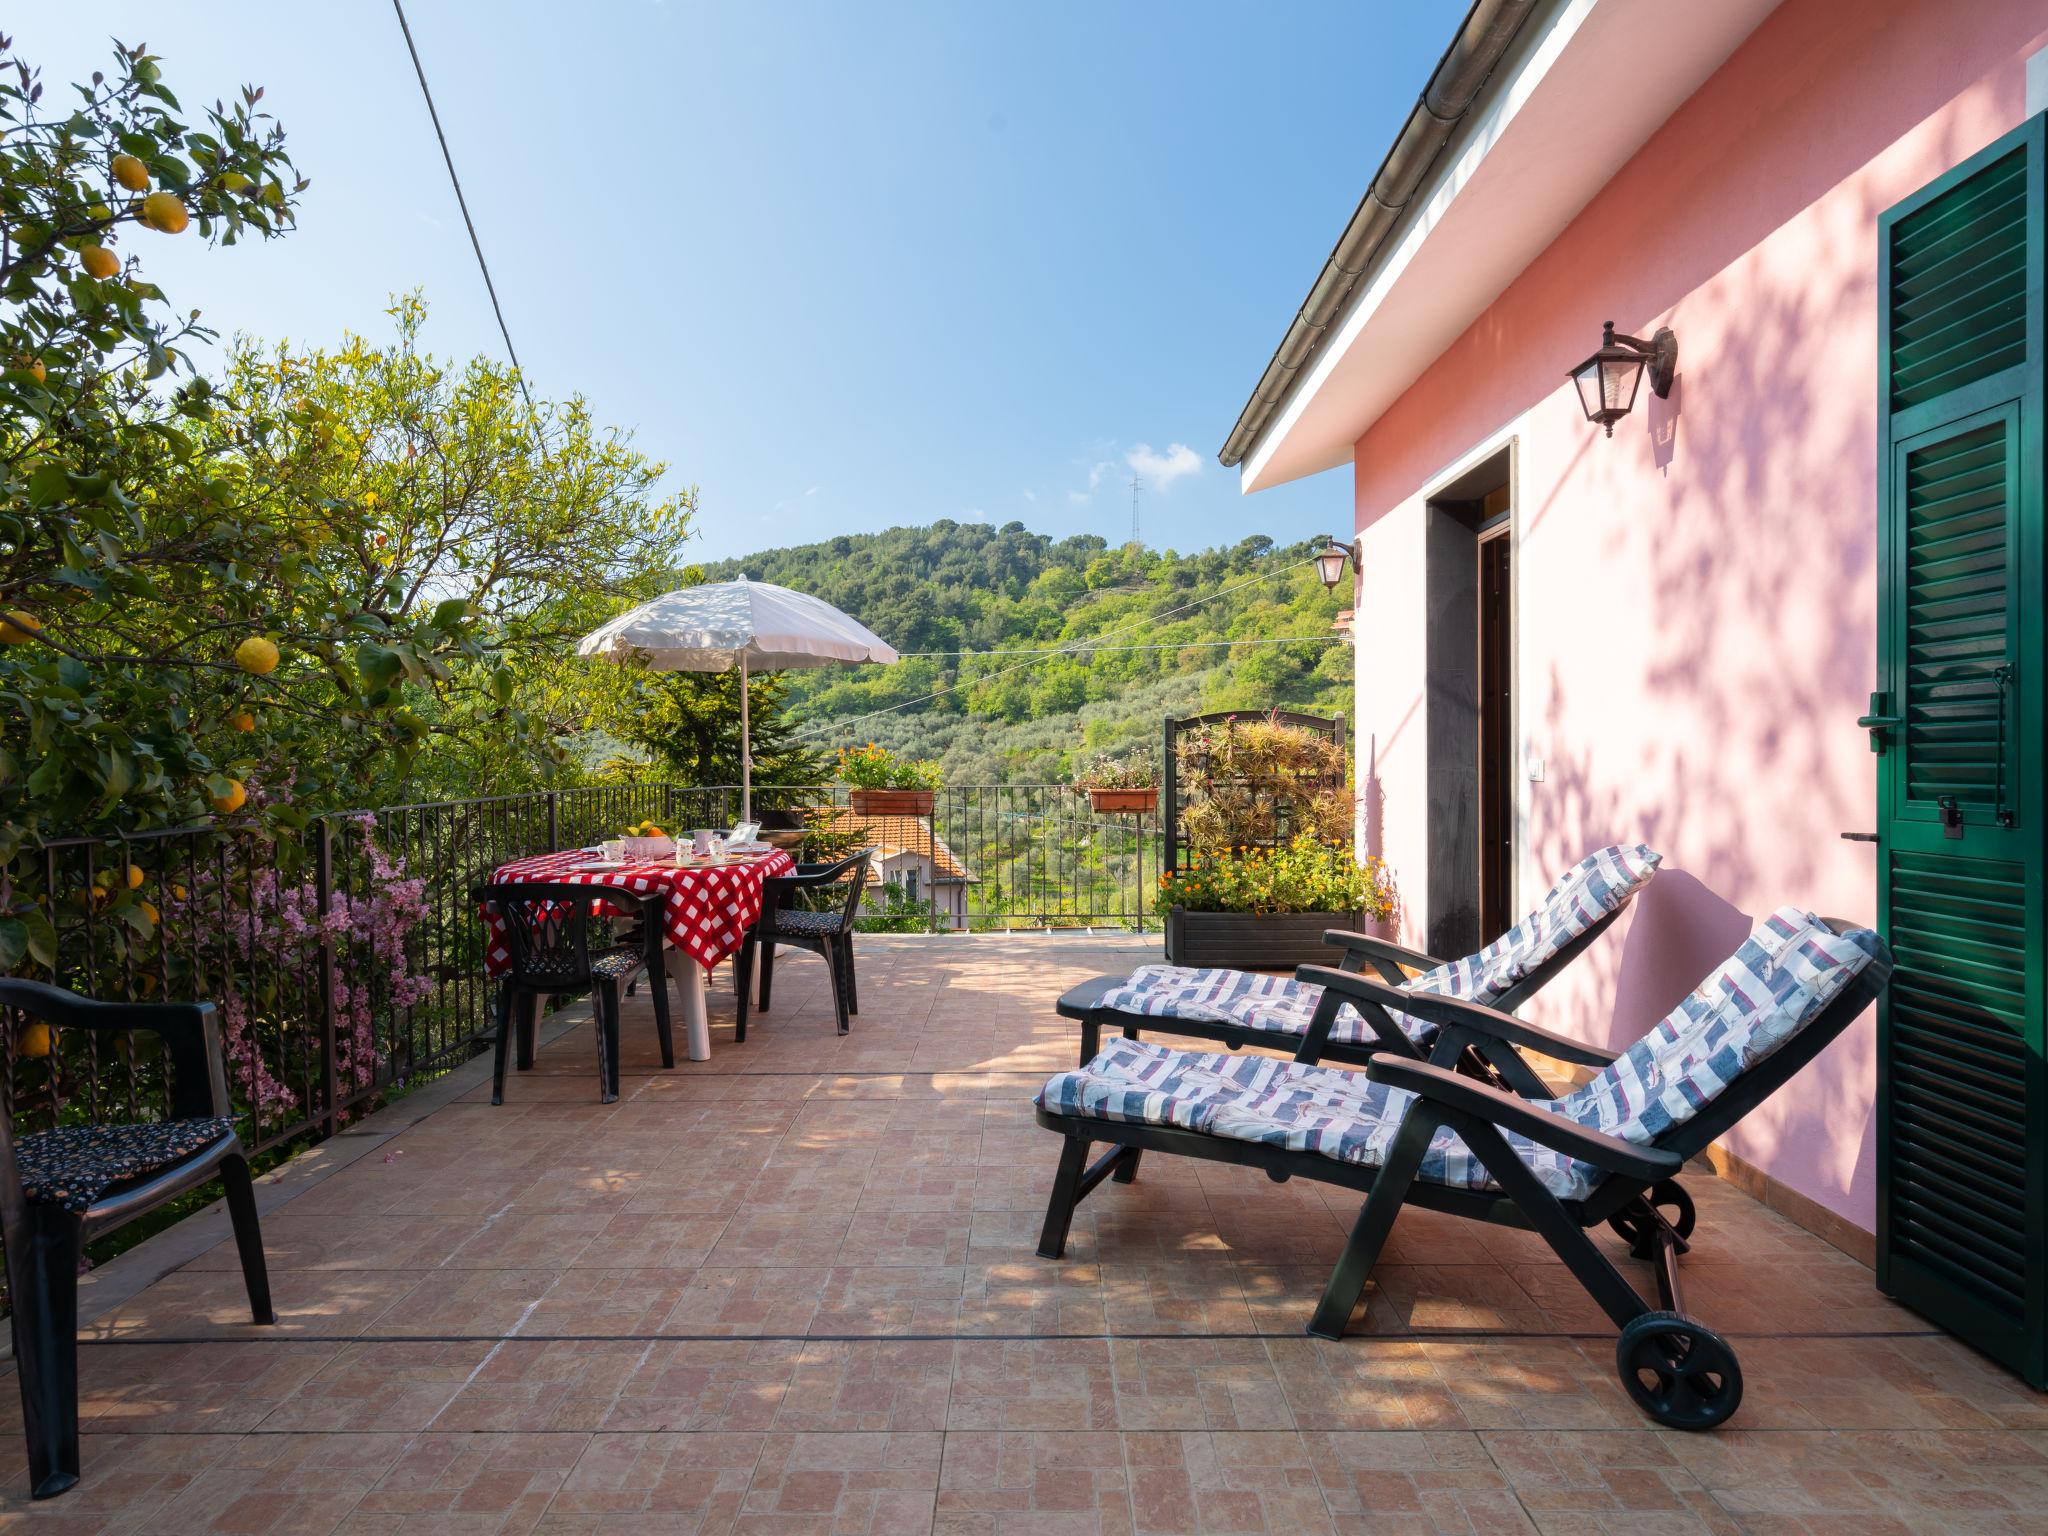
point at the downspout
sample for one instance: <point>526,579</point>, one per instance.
<point>1489,27</point>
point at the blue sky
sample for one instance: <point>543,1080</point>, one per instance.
<point>841,266</point>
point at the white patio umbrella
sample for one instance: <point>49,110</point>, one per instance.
<point>753,625</point>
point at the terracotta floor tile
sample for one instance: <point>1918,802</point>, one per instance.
<point>796,1288</point>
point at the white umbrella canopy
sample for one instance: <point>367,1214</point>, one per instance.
<point>753,625</point>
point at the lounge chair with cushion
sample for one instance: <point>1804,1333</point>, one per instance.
<point>1409,1130</point>
<point>1240,1008</point>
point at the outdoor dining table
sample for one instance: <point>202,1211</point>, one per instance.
<point>705,914</point>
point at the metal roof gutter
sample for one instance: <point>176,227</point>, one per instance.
<point>1488,30</point>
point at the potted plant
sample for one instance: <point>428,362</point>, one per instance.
<point>1119,787</point>
<point>879,783</point>
<point>1267,908</point>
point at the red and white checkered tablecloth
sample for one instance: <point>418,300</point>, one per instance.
<point>707,913</point>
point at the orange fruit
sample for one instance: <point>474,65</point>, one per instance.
<point>151,913</point>
<point>33,367</point>
<point>19,626</point>
<point>233,800</point>
<point>99,262</point>
<point>131,173</point>
<point>134,877</point>
<point>242,721</point>
<point>257,655</point>
<point>33,1041</point>
<point>163,212</point>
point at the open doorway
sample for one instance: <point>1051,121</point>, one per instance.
<point>1496,720</point>
<point>1470,664</point>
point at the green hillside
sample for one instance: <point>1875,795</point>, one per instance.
<point>1018,718</point>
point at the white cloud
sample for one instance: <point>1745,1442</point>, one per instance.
<point>1160,470</point>
<point>1031,496</point>
<point>789,502</point>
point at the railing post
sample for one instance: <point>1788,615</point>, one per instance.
<point>554,833</point>
<point>323,902</point>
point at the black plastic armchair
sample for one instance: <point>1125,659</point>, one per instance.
<point>61,1188</point>
<point>548,934</point>
<point>825,931</point>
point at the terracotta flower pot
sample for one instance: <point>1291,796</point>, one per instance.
<point>1122,802</point>
<point>892,802</point>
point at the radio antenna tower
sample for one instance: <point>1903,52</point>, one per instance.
<point>1137,485</point>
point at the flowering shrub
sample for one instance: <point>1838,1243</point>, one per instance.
<point>1106,772</point>
<point>1304,875</point>
<point>873,767</point>
<point>274,927</point>
<point>1260,782</point>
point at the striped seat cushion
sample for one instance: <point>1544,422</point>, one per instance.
<point>1777,982</point>
<point>1282,1006</point>
<point>1789,968</point>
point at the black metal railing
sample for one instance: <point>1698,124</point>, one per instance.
<point>345,955</point>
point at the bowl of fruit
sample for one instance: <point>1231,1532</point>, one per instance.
<point>644,841</point>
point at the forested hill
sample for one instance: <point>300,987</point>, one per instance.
<point>953,587</point>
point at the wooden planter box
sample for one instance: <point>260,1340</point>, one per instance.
<point>1271,941</point>
<point>1122,802</point>
<point>892,802</point>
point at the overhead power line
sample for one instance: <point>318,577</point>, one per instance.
<point>463,203</point>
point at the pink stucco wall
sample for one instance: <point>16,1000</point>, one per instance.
<point>1696,598</point>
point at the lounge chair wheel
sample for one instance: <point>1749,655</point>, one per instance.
<point>1669,1199</point>
<point>1681,1373</point>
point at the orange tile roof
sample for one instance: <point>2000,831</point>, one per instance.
<point>895,834</point>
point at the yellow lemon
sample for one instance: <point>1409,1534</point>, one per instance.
<point>177,893</point>
<point>233,800</point>
<point>242,721</point>
<point>150,912</point>
<point>131,173</point>
<point>134,877</point>
<point>257,655</point>
<point>99,262</point>
<point>163,212</point>
<point>19,627</point>
<point>33,367</point>
<point>33,1041</point>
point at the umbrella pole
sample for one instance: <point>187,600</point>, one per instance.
<point>746,750</point>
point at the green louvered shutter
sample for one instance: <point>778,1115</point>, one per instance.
<point>1962,1099</point>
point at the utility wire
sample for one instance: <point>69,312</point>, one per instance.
<point>1079,645</point>
<point>463,203</point>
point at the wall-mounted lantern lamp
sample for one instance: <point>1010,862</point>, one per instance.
<point>1330,561</point>
<point>1609,379</point>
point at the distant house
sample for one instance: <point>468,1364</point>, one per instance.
<point>910,856</point>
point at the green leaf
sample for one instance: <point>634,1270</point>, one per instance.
<point>42,937</point>
<point>379,665</point>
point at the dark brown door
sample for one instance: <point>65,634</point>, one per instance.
<point>1496,735</point>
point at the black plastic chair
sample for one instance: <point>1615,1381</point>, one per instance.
<point>827,933</point>
<point>548,936</point>
<point>61,1188</point>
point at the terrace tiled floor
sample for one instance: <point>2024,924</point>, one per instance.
<point>793,1289</point>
